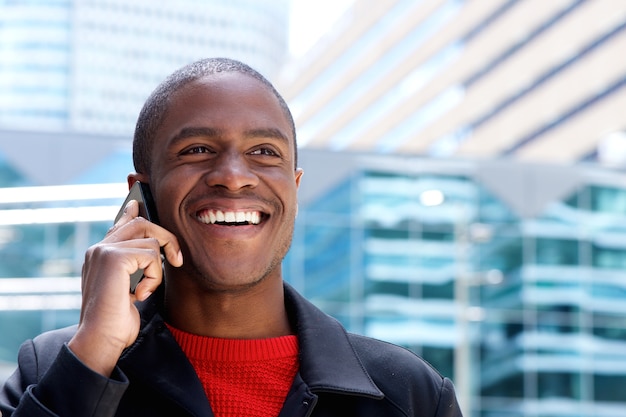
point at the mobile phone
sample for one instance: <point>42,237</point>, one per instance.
<point>140,192</point>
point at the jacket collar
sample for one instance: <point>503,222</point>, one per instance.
<point>156,359</point>
<point>328,362</point>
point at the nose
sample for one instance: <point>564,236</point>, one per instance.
<point>232,171</point>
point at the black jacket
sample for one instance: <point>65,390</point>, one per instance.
<point>340,374</point>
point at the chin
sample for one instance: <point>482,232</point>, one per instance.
<point>232,280</point>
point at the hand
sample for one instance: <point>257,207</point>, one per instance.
<point>109,320</point>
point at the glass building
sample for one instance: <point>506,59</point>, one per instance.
<point>534,80</point>
<point>88,66</point>
<point>508,277</point>
<point>44,232</point>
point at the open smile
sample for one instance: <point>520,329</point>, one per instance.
<point>230,218</point>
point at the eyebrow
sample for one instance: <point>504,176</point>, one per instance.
<point>190,132</point>
<point>209,132</point>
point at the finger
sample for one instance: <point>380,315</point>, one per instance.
<point>140,254</point>
<point>139,228</point>
<point>131,210</point>
<point>166,240</point>
<point>146,287</point>
<point>149,261</point>
<point>122,259</point>
<point>172,253</point>
<point>130,227</point>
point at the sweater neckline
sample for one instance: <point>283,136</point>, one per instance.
<point>222,349</point>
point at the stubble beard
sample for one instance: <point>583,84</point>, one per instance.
<point>206,282</point>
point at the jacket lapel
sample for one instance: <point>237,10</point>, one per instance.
<point>158,361</point>
<point>328,362</point>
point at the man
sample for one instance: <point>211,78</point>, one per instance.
<point>214,331</point>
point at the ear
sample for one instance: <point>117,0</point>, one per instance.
<point>133,177</point>
<point>298,176</point>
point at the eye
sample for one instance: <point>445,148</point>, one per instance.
<point>264,152</point>
<point>196,150</point>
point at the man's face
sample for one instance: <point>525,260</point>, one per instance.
<point>224,181</point>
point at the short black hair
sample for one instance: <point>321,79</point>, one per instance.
<point>156,106</point>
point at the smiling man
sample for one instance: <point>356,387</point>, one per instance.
<point>212,330</point>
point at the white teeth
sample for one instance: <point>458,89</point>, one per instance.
<point>214,216</point>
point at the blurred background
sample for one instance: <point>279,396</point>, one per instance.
<point>464,191</point>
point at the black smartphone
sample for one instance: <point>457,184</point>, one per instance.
<point>140,192</point>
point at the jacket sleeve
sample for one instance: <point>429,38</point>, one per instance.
<point>448,405</point>
<point>54,382</point>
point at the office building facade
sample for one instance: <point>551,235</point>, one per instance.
<point>81,67</point>
<point>524,79</point>
<point>467,83</point>
<point>507,276</point>
<point>89,65</point>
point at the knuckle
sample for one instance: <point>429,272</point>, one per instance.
<point>91,251</point>
<point>96,251</point>
<point>137,220</point>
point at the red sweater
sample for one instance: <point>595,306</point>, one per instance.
<point>242,377</point>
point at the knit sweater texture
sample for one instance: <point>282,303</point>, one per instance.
<point>242,377</point>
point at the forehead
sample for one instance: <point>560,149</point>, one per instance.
<point>228,102</point>
<point>234,93</point>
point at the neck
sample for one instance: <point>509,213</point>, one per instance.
<point>253,313</point>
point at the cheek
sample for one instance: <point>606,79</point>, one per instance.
<point>170,191</point>
<point>174,180</point>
